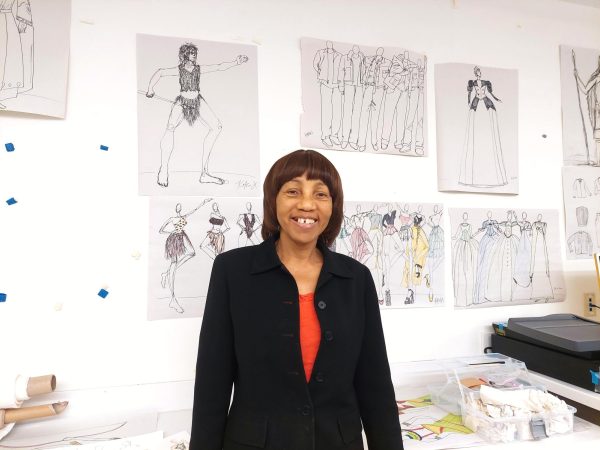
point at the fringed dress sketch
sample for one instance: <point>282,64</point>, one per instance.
<point>541,285</point>
<point>482,163</point>
<point>464,263</point>
<point>500,283</point>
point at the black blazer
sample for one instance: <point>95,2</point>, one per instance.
<point>250,339</point>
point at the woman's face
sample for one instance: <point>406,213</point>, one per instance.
<point>303,208</point>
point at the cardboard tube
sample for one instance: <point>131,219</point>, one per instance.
<point>34,412</point>
<point>41,385</point>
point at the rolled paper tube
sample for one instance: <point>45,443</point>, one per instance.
<point>41,385</point>
<point>34,412</point>
<point>13,390</point>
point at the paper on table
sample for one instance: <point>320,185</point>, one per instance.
<point>143,442</point>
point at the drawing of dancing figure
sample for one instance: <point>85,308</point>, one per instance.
<point>591,90</point>
<point>16,49</point>
<point>482,162</point>
<point>178,249</point>
<point>214,242</point>
<point>191,106</point>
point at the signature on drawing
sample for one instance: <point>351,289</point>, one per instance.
<point>247,184</point>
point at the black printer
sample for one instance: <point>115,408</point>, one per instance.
<point>562,346</point>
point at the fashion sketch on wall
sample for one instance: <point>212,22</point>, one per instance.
<point>505,257</point>
<point>34,56</point>
<point>186,235</point>
<point>197,117</point>
<point>581,193</point>
<point>363,98</point>
<point>580,94</point>
<point>477,128</point>
<point>403,246</point>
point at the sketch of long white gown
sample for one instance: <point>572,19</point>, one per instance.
<point>523,264</point>
<point>541,286</point>
<point>486,244</point>
<point>16,50</point>
<point>500,284</point>
<point>464,263</point>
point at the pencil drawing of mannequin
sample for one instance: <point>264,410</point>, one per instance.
<point>541,286</point>
<point>249,223</point>
<point>178,250</point>
<point>376,69</point>
<point>351,83</point>
<point>482,162</point>
<point>16,49</point>
<point>327,65</point>
<point>192,107</point>
<point>214,242</point>
<point>591,89</point>
<point>464,263</point>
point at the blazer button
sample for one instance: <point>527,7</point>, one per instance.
<point>322,305</point>
<point>329,336</point>
<point>305,410</point>
<point>319,377</point>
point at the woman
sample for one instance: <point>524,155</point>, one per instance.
<point>178,249</point>
<point>191,106</point>
<point>482,162</point>
<point>270,308</point>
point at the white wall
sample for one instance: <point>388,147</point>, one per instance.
<point>79,217</point>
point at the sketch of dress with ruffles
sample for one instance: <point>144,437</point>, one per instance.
<point>464,264</point>
<point>504,258</point>
<point>486,244</point>
<point>541,286</point>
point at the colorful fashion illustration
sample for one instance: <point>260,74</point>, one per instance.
<point>482,162</point>
<point>192,107</point>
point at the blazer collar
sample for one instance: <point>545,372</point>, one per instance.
<point>266,259</point>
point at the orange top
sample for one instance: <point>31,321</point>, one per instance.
<point>310,332</point>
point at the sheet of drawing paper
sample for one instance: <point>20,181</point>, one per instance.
<point>403,246</point>
<point>477,128</point>
<point>178,441</point>
<point>505,257</point>
<point>197,117</point>
<point>34,66</point>
<point>148,441</point>
<point>581,193</point>
<point>580,91</point>
<point>186,234</point>
<point>363,98</point>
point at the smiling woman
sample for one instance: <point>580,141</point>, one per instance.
<point>296,328</point>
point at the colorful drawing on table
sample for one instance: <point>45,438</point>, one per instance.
<point>363,98</point>
<point>580,94</point>
<point>197,116</point>
<point>34,61</point>
<point>581,194</point>
<point>477,128</point>
<point>186,234</point>
<point>505,257</point>
<point>403,246</point>
<point>424,425</point>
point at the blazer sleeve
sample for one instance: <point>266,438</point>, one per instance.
<point>215,367</point>
<point>373,380</point>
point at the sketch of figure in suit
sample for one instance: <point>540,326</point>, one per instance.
<point>482,162</point>
<point>191,106</point>
<point>351,84</point>
<point>591,90</point>
<point>249,224</point>
<point>178,249</point>
<point>376,70</point>
<point>414,118</point>
<point>327,65</point>
<point>16,48</point>
<point>214,242</point>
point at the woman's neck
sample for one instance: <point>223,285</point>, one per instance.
<point>291,253</point>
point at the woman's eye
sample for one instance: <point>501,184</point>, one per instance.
<point>322,195</point>
<point>292,191</point>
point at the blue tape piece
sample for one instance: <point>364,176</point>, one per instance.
<point>501,326</point>
<point>103,293</point>
<point>11,201</point>
<point>104,147</point>
<point>595,377</point>
<point>2,298</point>
<point>9,147</point>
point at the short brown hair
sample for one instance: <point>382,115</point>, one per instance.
<point>316,167</point>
